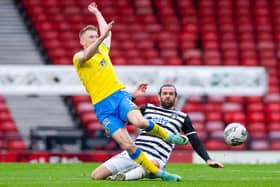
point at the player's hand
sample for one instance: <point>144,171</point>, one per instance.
<point>92,7</point>
<point>214,164</point>
<point>140,90</point>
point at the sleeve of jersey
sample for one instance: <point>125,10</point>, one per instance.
<point>198,147</point>
<point>75,58</point>
<point>104,48</point>
<point>194,139</point>
<point>107,45</point>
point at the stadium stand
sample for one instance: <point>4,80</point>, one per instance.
<point>181,32</point>
<point>19,114</point>
<point>15,38</point>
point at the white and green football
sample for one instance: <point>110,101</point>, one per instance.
<point>235,134</point>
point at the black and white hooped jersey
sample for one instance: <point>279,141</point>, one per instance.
<point>173,121</point>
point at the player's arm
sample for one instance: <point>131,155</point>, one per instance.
<point>102,24</point>
<point>197,144</point>
<point>90,51</point>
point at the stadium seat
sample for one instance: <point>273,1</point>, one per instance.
<point>8,126</point>
<point>212,107</point>
<point>256,117</point>
<point>235,117</point>
<point>260,144</point>
<point>241,147</point>
<point>16,145</point>
<point>94,129</point>
<point>197,116</point>
<point>84,107</point>
<point>5,116</point>
<point>216,145</point>
<point>216,135</point>
<point>80,98</point>
<point>88,117</point>
<point>213,116</point>
<point>3,107</point>
<point>232,107</point>
<point>275,145</point>
<point>192,107</point>
<point>273,117</point>
<point>214,125</point>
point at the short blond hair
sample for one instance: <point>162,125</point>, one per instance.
<point>86,28</point>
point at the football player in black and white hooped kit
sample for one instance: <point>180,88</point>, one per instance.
<point>121,167</point>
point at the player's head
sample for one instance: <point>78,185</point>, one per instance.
<point>88,35</point>
<point>167,96</point>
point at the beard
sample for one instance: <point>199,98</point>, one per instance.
<point>167,104</point>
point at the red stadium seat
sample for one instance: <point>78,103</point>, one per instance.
<point>275,145</point>
<point>94,129</point>
<point>88,117</point>
<point>192,107</point>
<point>84,107</point>
<point>256,126</point>
<point>2,145</point>
<point>256,117</point>
<point>217,135</point>
<point>272,107</point>
<point>197,116</point>
<point>152,100</point>
<point>255,107</point>
<point>2,99</point>
<point>16,145</point>
<point>261,144</point>
<point>3,107</point>
<point>273,117</point>
<point>214,125</point>
<point>80,98</point>
<point>214,116</point>
<point>6,116</point>
<point>232,107</point>
<point>241,147</point>
<point>216,145</point>
<point>235,117</point>
<point>8,126</point>
<point>212,107</point>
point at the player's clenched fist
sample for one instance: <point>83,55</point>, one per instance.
<point>92,7</point>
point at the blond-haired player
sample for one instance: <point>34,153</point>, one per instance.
<point>112,104</point>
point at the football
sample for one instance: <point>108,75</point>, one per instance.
<point>235,134</point>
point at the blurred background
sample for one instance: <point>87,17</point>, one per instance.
<point>146,32</point>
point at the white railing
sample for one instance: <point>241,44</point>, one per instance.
<point>189,80</point>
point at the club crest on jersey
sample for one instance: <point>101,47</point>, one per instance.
<point>174,116</point>
<point>102,63</point>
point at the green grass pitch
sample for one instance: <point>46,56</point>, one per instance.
<point>64,175</point>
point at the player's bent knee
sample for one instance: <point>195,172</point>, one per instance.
<point>96,176</point>
<point>93,175</point>
<point>135,117</point>
<point>156,163</point>
<point>141,123</point>
<point>128,146</point>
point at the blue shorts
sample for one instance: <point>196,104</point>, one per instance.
<point>112,111</point>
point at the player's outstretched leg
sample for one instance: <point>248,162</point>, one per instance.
<point>157,130</point>
<point>178,139</point>
<point>169,177</point>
